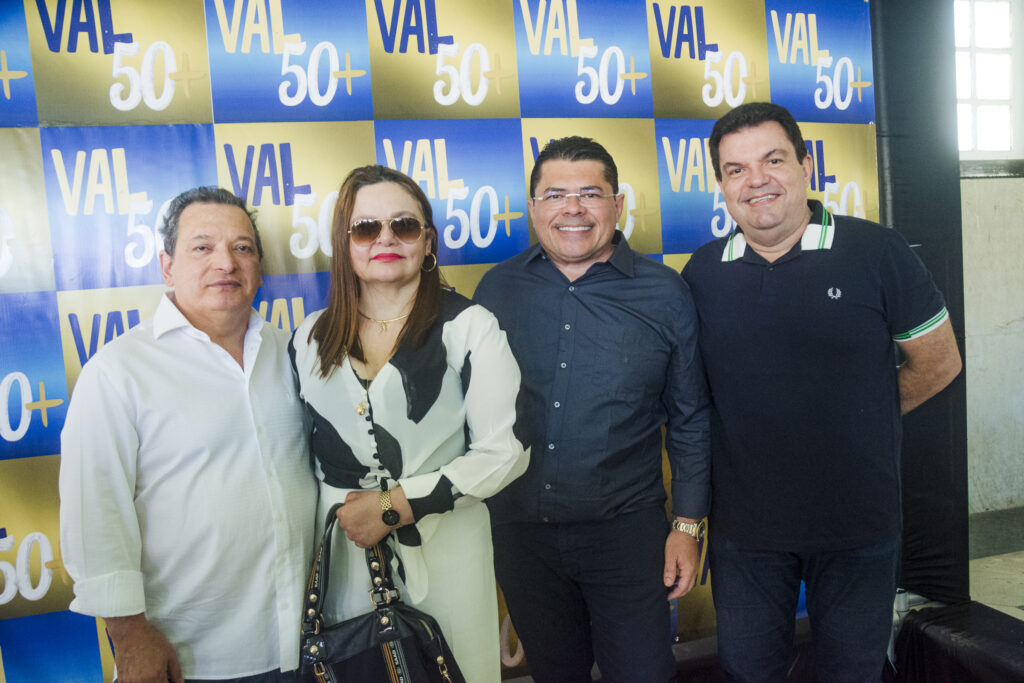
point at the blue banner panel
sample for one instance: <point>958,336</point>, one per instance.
<point>107,188</point>
<point>33,392</point>
<point>820,59</point>
<point>297,60</point>
<point>17,88</point>
<point>60,646</point>
<point>692,209</point>
<point>583,59</point>
<point>469,172</point>
<point>285,300</point>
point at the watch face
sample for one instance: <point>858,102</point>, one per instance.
<point>391,517</point>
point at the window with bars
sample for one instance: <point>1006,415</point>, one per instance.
<point>990,101</point>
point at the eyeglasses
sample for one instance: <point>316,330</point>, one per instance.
<point>556,200</point>
<point>405,228</point>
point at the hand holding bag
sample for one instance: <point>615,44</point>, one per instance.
<point>394,643</point>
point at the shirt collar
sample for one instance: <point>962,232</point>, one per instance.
<point>168,318</point>
<point>621,258</point>
<point>819,234</point>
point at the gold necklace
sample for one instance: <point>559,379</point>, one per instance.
<point>382,325</point>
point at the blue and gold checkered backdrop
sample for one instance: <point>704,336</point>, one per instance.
<point>111,107</point>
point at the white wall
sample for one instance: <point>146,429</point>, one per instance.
<point>993,243</point>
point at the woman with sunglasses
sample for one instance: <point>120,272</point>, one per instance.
<point>411,391</point>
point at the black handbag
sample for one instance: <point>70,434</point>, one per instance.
<point>394,643</point>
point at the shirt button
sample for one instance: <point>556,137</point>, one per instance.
<point>545,519</point>
<point>563,365</point>
<point>551,446</point>
<point>557,404</point>
<point>547,487</point>
<point>571,288</point>
<point>567,326</point>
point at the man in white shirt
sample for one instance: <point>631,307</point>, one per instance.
<point>187,498</point>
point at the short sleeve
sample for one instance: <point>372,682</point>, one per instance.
<point>914,305</point>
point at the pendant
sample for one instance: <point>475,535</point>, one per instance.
<point>382,326</point>
<point>361,408</point>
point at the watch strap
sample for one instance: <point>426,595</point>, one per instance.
<point>695,529</point>
<point>389,515</point>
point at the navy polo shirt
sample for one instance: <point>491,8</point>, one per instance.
<point>607,359</point>
<point>801,361</point>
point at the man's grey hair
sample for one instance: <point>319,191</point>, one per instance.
<point>204,194</point>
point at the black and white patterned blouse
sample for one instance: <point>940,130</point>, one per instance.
<point>439,421</point>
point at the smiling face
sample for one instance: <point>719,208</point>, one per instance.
<point>215,269</point>
<point>387,260</point>
<point>764,186</point>
<point>575,236</point>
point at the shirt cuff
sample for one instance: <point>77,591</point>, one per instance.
<point>690,500</point>
<point>423,501</point>
<point>118,594</point>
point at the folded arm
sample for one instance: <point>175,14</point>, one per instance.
<point>931,362</point>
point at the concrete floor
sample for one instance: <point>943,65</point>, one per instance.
<point>997,560</point>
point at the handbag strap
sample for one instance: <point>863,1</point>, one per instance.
<point>382,589</point>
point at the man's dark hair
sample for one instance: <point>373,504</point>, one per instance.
<point>576,148</point>
<point>754,114</point>
<point>206,194</point>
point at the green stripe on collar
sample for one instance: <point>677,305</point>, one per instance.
<point>734,247</point>
<point>819,236</point>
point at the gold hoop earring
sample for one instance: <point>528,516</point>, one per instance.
<point>432,266</point>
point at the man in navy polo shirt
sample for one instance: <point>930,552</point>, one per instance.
<point>799,311</point>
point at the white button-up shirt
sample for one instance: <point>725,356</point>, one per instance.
<point>186,493</point>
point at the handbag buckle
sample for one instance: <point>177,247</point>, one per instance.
<point>379,597</point>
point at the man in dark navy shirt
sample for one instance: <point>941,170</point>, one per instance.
<point>799,311</point>
<point>606,340</point>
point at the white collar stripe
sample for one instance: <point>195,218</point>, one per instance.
<point>816,236</point>
<point>735,246</point>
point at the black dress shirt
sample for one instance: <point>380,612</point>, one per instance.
<point>607,360</point>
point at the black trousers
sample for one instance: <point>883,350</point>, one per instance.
<point>587,590</point>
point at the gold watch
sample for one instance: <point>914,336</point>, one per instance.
<point>695,529</point>
<point>389,515</point>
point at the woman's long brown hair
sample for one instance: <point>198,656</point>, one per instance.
<point>337,330</point>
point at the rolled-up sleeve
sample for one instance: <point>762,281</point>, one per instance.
<point>99,530</point>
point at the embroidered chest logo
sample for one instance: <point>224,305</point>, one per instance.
<point>834,293</point>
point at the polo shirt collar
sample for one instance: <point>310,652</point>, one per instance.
<point>621,258</point>
<point>819,234</point>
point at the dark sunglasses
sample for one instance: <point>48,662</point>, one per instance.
<point>405,228</point>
